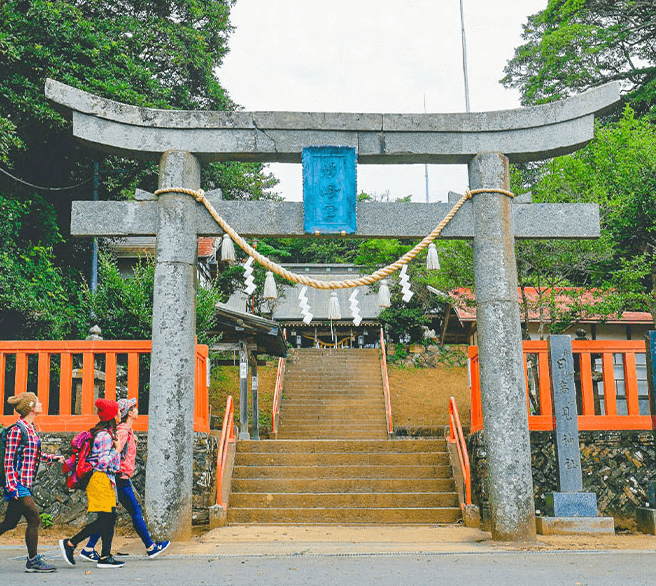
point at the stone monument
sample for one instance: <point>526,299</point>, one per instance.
<point>570,510</point>
<point>487,142</point>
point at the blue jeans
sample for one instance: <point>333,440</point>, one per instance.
<point>128,498</point>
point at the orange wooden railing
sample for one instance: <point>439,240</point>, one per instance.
<point>52,379</point>
<point>597,406</point>
<point>383,368</point>
<point>227,437</point>
<point>277,394</point>
<point>457,437</point>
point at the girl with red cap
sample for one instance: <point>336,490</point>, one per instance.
<point>22,457</point>
<point>101,490</point>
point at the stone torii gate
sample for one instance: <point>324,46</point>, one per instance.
<point>486,142</point>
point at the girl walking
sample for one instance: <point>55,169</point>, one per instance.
<point>101,493</point>
<point>127,447</point>
<point>22,457</point>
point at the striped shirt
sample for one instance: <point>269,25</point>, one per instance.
<point>22,470</point>
<point>103,456</point>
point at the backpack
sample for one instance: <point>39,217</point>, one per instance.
<point>3,446</point>
<point>77,471</point>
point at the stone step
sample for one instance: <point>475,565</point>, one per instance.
<point>347,446</point>
<point>341,485</point>
<point>332,434</point>
<point>326,500</point>
<point>358,459</point>
<point>396,471</point>
<point>422,516</point>
<point>351,417</point>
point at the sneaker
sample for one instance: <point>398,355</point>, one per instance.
<point>68,551</point>
<point>38,565</point>
<point>89,555</point>
<point>109,562</point>
<point>158,548</point>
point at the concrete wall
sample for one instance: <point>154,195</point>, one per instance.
<point>616,465</point>
<point>69,507</point>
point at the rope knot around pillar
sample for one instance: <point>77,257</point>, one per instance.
<point>199,196</point>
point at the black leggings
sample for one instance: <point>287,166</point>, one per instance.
<point>23,507</point>
<point>104,525</point>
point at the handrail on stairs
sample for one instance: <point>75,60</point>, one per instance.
<point>227,437</point>
<point>457,437</point>
<point>277,393</point>
<point>383,368</point>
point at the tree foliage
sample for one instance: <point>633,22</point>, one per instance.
<point>151,53</point>
<point>573,45</point>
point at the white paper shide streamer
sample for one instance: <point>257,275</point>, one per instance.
<point>334,311</point>
<point>303,304</point>
<point>405,284</point>
<point>248,277</point>
<point>354,307</point>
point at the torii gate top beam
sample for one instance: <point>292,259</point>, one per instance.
<point>524,134</point>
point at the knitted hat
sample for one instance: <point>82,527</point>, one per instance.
<point>23,403</point>
<point>124,405</point>
<point>107,410</point>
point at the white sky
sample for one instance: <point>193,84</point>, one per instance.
<point>381,56</point>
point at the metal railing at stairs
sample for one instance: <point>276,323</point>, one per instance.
<point>383,367</point>
<point>277,395</point>
<point>457,438</point>
<point>227,437</point>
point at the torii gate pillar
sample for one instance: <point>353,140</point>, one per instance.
<point>503,394</point>
<point>172,372</point>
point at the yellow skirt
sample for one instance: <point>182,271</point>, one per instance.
<point>100,494</point>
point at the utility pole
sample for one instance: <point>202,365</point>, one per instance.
<point>464,56</point>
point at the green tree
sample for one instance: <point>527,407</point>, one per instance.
<point>123,307</point>
<point>618,171</point>
<point>573,45</point>
<point>154,53</point>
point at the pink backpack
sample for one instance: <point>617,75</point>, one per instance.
<point>77,471</point>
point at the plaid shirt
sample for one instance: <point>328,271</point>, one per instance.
<point>103,456</point>
<point>23,472</point>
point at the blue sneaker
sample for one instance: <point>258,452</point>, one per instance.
<point>89,555</point>
<point>38,565</point>
<point>158,548</point>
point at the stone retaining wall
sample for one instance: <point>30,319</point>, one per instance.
<point>616,465</point>
<point>69,506</point>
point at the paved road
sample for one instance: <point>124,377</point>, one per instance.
<point>566,568</point>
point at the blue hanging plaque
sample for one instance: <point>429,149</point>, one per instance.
<point>329,189</point>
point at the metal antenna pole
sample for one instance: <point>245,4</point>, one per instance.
<point>464,57</point>
<point>426,164</point>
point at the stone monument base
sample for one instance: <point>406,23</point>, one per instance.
<point>571,504</point>
<point>646,519</point>
<point>575,525</point>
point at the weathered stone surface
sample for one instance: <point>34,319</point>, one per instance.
<point>525,134</point>
<point>575,525</point>
<point>561,366</point>
<point>618,466</point>
<point>503,393</point>
<point>374,219</point>
<point>571,504</point>
<point>172,375</point>
<point>646,520</point>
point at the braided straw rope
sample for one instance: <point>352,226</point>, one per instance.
<point>199,196</point>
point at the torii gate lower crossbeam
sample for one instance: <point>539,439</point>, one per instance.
<point>486,141</point>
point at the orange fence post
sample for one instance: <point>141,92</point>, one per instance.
<point>88,373</point>
<point>610,395</point>
<point>110,376</point>
<point>587,392</point>
<point>43,381</point>
<point>20,386</point>
<point>631,384</point>
<point>65,383</point>
<point>2,381</point>
<point>133,375</point>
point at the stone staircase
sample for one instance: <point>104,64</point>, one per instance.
<point>333,394</point>
<point>332,461</point>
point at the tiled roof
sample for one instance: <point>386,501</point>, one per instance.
<point>463,300</point>
<point>134,246</point>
